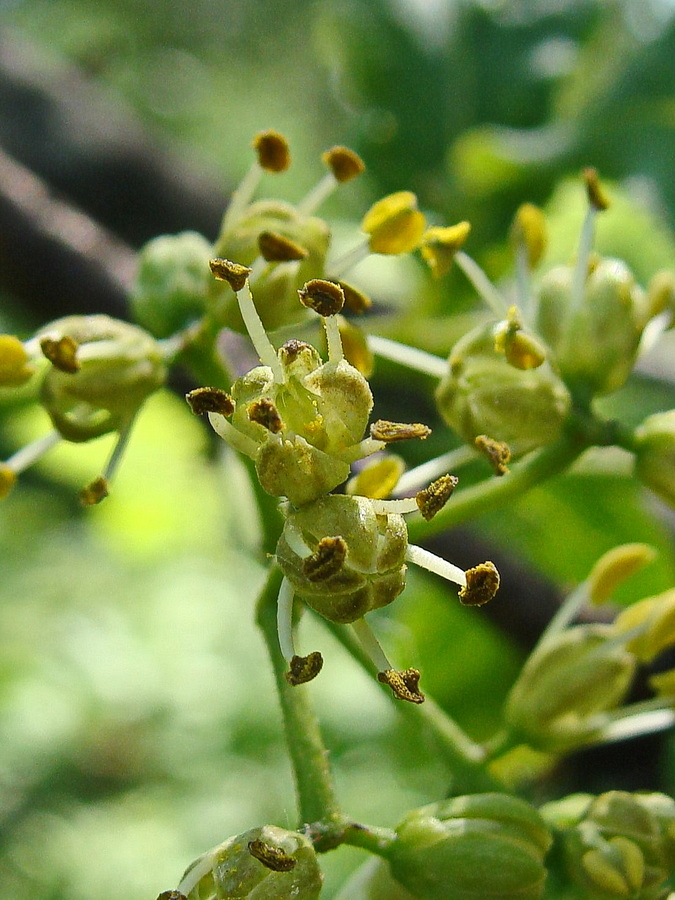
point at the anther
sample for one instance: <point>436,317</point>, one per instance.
<point>482,583</point>
<point>273,151</point>
<point>61,353</point>
<point>405,684</point>
<point>596,196</point>
<point>529,231</point>
<point>344,163</point>
<point>276,247</point>
<point>327,559</point>
<point>304,668</point>
<point>324,297</point>
<point>434,497</point>
<point>440,246</point>
<point>95,492</point>
<point>390,432</point>
<point>273,858</point>
<point>233,273</point>
<point>497,453</point>
<point>355,300</point>
<point>210,400</point>
<point>264,412</point>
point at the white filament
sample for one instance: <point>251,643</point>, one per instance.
<point>285,619</point>
<point>421,557</point>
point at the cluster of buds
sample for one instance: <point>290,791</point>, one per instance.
<point>572,690</point>
<point>556,345</point>
<point>301,421</point>
<point>93,373</point>
<point>616,845</point>
<point>265,863</point>
<point>468,848</point>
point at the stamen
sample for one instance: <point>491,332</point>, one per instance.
<point>327,560</point>
<point>497,453</point>
<point>276,247</point>
<point>405,684</point>
<point>31,453</point>
<point>233,436</point>
<point>390,432</point>
<point>397,507</point>
<point>333,339</point>
<point>364,448</point>
<point>349,259</point>
<point>317,195</point>
<point>273,858</point>
<point>482,583</point>
<point>97,490</point>
<point>433,498</point>
<point>264,412</point>
<point>304,668</point>
<point>285,619</point>
<point>61,353</point>
<point>421,475</point>
<point>207,399</point>
<point>295,540</point>
<point>344,165</point>
<point>272,156</point>
<point>237,277</point>
<point>597,202</point>
<point>432,563</point>
<point>325,297</point>
<point>371,645</point>
<point>94,492</point>
<point>241,197</point>
<point>484,287</point>
<point>410,357</point>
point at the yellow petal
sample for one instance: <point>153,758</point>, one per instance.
<point>395,224</point>
<point>655,616</point>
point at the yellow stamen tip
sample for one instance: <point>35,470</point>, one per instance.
<point>15,369</point>
<point>529,229</point>
<point>439,246</point>
<point>395,224</point>
<point>596,195</point>
<point>8,479</point>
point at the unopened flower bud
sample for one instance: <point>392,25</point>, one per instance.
<point>568,680</point>
<point>655,454</point>
<point>617,845</point>
<point>483,393</point>
<point>470,848</point>
<point>266,863</point>
<point>173,283</point>
<point>342,558</point>
<point>116,366</point>
<point>277,284</point>
<point>595,337</point>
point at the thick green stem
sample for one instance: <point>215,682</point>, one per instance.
<point>479,498</point>
<point>317,802</point>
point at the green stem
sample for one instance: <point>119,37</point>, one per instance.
<point>525,474</point>
<point>368,837</point>
<point>317,802</point>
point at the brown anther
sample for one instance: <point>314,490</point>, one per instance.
<point>390,432</point>
<point>343,163</point>
<point>304,668</point>
<point>433,498</point>
<point>482,583</point>
<point>231,272</point>
<point>405,684</point>
<point>208,399</point>
<point>61,353</point>
<point>355,300</point>
<point>171,895</point>
<point>497,453</point>
<point>327,559</point>
<point>264,412</point>
<point>273,151</point>
<point>324,297</point>
<point>276,247</point>
<point>273,858</point>
<point>596,196</point>
<point>95,492</point>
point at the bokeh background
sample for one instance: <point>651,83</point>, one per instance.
<point>138,722</point>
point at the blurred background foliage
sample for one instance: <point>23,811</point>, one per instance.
<point>138,723</point>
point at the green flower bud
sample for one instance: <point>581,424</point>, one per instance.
<point>103,369</point>
<point>266,863</point>
<point>571,678</point>
<point>373,881</point>
<point>655,454</point>
<point>617,845</point>
<point>277,285</point>
<point>469,848</point>
<point>300,430</point>
<point>173,282</point>
<point>595,340</point>
<point>342,557</point>
<point>483,393</point>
